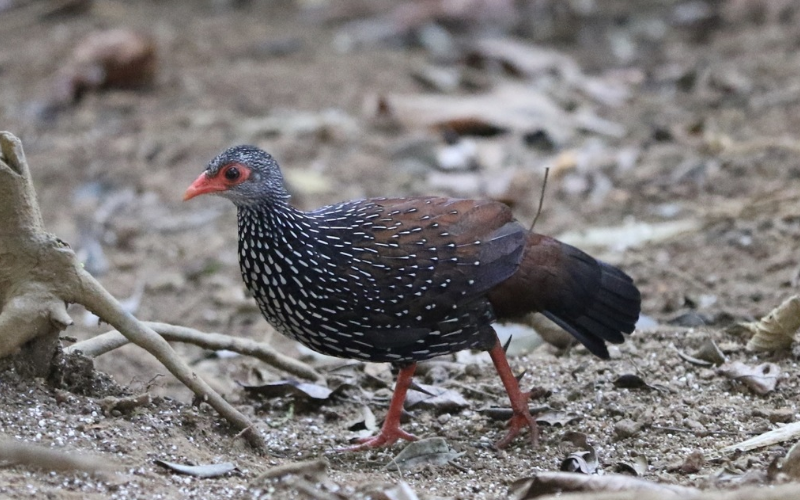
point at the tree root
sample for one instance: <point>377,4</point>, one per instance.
<point>40,275</point>
<point>109,341</point>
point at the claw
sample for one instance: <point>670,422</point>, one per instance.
<point>518,422</point>
<point>390,431</point>
<point>385,438</point>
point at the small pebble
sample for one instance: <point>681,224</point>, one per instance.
<point>781,415</point>
<point>626,428</point>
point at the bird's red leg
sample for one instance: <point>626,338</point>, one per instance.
<point>521,417</point>
<point>391,431</point>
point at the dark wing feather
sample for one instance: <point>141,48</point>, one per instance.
<point>592,300</point>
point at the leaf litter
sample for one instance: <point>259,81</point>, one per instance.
<point>729,255</point>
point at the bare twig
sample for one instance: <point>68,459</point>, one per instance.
<point>692,431</point>
<point>541,199</point>
<point>109,341</point>
<point>30,455</point>
<point>788,432</point>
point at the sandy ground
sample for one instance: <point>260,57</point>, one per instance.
<point>703,138</point>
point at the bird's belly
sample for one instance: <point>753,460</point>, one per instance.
<point>377,344</point>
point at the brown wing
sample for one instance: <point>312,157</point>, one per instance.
<point>444,250</point>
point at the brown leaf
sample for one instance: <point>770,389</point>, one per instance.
<point>433,451</point>
<point>579,439</point>
<point>118,58</point>
<point>496,413</point>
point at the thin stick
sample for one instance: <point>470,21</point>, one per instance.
<point>109,341</point>
<point>541,199</point>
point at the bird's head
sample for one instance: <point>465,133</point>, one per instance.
<point>246,175</point>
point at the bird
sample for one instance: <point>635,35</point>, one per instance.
<point>402,280</point>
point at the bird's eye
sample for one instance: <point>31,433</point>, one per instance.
<point>232,173</point>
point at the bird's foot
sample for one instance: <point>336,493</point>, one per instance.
<point>387,437</point>
<point>519,420</point>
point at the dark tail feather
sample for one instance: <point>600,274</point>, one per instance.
<point>592,300</point>
<point>599,305</point>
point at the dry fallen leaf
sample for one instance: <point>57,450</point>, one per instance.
<point>290,388</point>
<point>437,398</point>
<point>584,462</point>
<point>365,425</point>
<point>761,379</point>
<point>502,414</point>
<point>305,395</point>
<point>709,354</point>
<point>433,451</point>
<point>551,483</point>
<point>524,58</point>
<point>776,330</point>
<point>204,471</point>
<point>508,107</point>
<point>637,467</point>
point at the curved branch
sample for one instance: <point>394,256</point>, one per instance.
<point>109,341</point>
<point>97,300</point>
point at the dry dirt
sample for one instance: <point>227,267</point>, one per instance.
<point>709,133</point>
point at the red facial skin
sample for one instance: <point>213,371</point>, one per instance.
<point>205,184</point>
